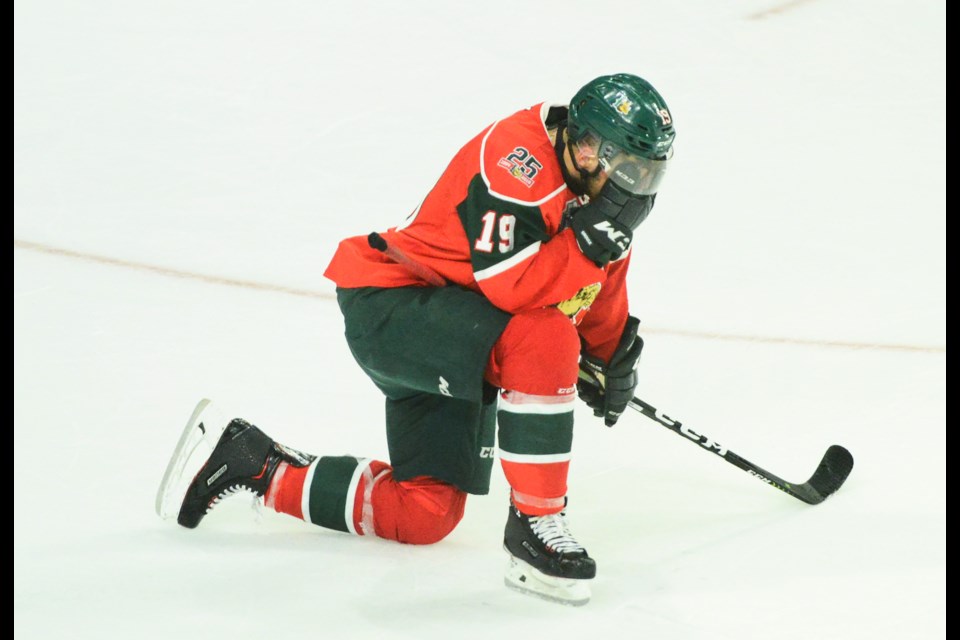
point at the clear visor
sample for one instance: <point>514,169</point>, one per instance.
<point>632,173</point>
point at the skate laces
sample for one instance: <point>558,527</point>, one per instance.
<point>555,533</point>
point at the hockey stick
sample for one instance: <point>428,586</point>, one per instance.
<point>419,269</point>
<point>833,470</point>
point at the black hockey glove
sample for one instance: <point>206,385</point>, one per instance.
<point>608,389</point>
<point>604,226</point>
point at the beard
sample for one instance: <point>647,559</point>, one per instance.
<point>587,185</point>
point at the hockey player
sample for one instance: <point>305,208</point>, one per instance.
<point>482,314</point>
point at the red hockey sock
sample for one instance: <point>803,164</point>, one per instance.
<point>417,511</point>
<point>285,493</point>
<point>360,496</point>
<point>535,362</point>
<point>536,436</point>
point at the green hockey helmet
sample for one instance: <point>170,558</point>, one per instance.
<point>625,123</point>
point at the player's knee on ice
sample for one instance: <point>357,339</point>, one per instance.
<point>422,511</point>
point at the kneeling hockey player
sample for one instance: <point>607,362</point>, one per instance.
<point>485,313</point>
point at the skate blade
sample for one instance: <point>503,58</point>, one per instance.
<point>197,441</point>
<point>525,579</point>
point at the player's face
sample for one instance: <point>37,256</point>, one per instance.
<point>588,178</point>
<point>634,174</point>
<point>586,157</point>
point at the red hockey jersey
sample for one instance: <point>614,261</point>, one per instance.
<point>493,223</point>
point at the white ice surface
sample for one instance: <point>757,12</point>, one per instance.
<point>805,211</point>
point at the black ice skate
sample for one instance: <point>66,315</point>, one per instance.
<point>545,558</point>
<point>231,456</point>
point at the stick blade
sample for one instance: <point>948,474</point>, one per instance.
<point>836,465</point>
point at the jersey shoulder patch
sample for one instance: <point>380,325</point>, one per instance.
<point>517,159</point>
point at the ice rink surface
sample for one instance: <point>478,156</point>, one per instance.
<point>183,173</point>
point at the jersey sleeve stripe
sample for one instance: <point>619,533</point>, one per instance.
<point>486,180</point>
<point>509,263</point>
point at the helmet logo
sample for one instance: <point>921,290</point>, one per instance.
<point>621,103</point>
<point>664,116</point>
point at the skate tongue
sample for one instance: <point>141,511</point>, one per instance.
<point>555,533</point>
